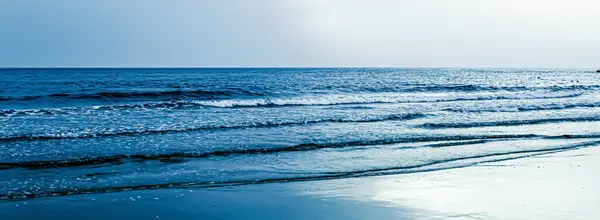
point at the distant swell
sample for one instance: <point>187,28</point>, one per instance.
<point>147,95</point>
<point>76,135</point>
<point>424,167</point>
<point>509,123</point>
<point>178,156</point>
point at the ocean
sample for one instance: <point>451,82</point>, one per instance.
<point>66,132</point>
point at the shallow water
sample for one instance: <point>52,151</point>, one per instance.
<point>80,131</point>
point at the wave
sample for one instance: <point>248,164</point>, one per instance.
<point>327,100</point>
<point>466,88</point>
<point>540,107</point>
<point>89,109</point>
<point>421,87</point>
<point>453,144</point>
<point>181,156</point>
<point>80,135</point>
<point>508,123</point>
<point>231,92</point>
<point>432,165</point>
<point>377,99</point>
<point>137,94</point>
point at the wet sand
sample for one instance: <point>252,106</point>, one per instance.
<point>554,186</point>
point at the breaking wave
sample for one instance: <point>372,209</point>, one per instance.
<point>299,101</point>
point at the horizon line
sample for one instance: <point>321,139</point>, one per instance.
<point>279,67</point>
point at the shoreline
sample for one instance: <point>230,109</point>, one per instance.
<point>552,186</point>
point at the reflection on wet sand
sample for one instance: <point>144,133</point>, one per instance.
<point>555,186</point>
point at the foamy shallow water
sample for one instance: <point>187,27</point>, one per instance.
<point>553,186</point>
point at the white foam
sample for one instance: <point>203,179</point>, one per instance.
<point>385,98</point>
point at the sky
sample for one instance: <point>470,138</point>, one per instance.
<point>300,33</point>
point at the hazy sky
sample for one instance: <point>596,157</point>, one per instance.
<point>403,33</point>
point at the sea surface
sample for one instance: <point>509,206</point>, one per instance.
<point>65,132</point>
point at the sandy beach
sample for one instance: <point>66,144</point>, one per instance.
<point>552,186</point>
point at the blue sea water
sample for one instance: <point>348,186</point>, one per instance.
<point>66,132</point>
